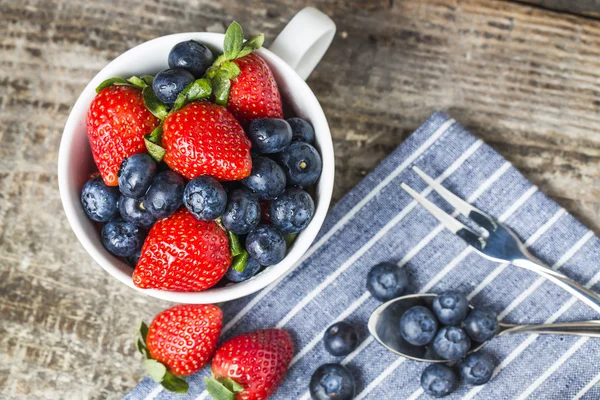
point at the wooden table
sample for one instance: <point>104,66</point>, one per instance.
<point>522,76</point>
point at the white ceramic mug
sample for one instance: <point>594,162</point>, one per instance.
<point>293,56</point>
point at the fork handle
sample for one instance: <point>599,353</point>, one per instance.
<point>581,292</point>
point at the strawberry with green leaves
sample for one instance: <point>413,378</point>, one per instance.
<point>203,138</point>
<point>117,121</point>
<point>180,341</point>
<point>250,366</point>
<point>183,254</point>
<point>242,80</point>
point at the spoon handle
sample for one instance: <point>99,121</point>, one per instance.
<point>586,328</point>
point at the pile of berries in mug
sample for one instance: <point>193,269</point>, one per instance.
<point>200,177</point>
<point>451,327</point>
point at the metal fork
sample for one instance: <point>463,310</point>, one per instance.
<point>496,241</point>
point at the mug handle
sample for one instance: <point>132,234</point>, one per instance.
<point>304,40</point>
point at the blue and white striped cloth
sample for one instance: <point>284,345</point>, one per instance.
<point>377,222</point>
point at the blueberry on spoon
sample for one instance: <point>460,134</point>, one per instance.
<point>451,308</point>
<point>481,324</point>
<point>418,326</point>
<point>451,343</point>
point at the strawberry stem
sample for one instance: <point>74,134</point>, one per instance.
<point>239,262</point>
<point>223,69</point>
<point>222,389</point>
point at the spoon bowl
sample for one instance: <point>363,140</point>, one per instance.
<point>384,326</point>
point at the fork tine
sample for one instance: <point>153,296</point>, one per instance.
<point>461,206</point>
<point>447,220</point>
<point>466,209</point>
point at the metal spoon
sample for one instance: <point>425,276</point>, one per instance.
<point>384,325</point>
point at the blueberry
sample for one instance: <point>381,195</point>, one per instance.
<point>438,380</point>
<point>418,326</point>
<point>451,308</point>
<point>269,135</point>
<point>191,56</point>
<point>387,281</point>
<point>266,244</point>
<point>133,260</point>
<point>165,194</point>
<point>302,130</point>
<point>476,368</point>
<point>136,174</point>
<point>252,267</point>
<point>242,213</point>
<point>267,179</point>
<point>301,163</point>
<point>451,343</point>
<point>340,339</point>
<point>292,211</point>
<point>481,324</point>
<point>100,202</point>
<point>169,83</point>
<point>332,382</point>
<point>205,198</point>
<point>133,212</point>
<point>122,238</point>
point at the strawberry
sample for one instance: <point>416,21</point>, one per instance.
<point>242,80</point>
<point>117,121</point>
<point>250,366</point>
<point>180,341</point>
<point>254,93</point>
<point>205,139</point>
<point>182,253</point>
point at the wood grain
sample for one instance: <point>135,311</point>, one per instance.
<point>523,78</point>
<point>584,7</point>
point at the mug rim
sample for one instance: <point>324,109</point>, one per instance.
<point>115,266</point>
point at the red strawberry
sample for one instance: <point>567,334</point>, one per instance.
<point>185,337</point>
<point>242,80</point>
<point>184,254</point>
<point>181,340</point>
<point>251,365</point>
<point>205,139</point>
<point>254,93</point>
<point>117,121</point>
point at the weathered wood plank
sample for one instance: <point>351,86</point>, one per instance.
<point>524,79</point>
<point>584,7</point>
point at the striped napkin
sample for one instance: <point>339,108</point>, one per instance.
<point>377,221</point>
